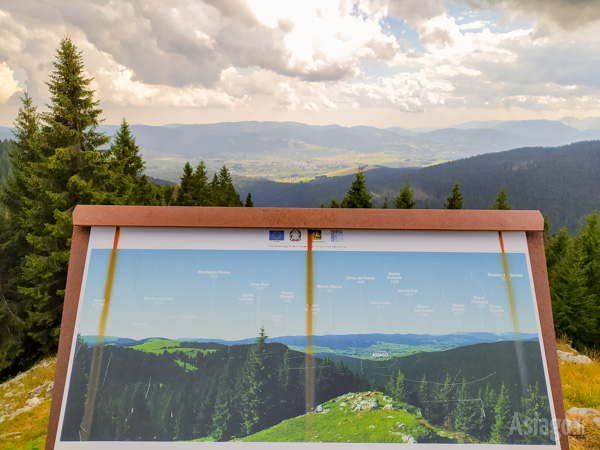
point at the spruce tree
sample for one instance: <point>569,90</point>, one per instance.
<point>468,412</point>
<point>358,196</point>
<point>404,199</point>
<point>535,417</point>
<point>224,192</point>
<point>397,388</point>
<point>501,200</point>
<point>455,199</point>
<point>16,349</point>
<point>252,405</point>
<point>504,419</point>
<point>185,191</point>
<point>249,203</point>
<point>200,189</point>
<point>129,185</point>
<point>68,170</point>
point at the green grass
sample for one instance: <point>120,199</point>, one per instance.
<point>340,422</point>
<point>159,346</point>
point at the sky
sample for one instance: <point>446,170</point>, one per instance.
<point>231,294</point>
<point>383,63</point>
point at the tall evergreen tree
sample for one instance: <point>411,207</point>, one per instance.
<point>129,185</point>
<point>15,196</point>
<point>249,203</point>
<point>504,419</point>
<point>468,411</point>
<point>186,186</point>
<point>200,187</point>
<point>501,200</point>
<point>252,408</point>
<point>397,388</point>
<point>71,172</point>
<point>404,199</point>
<point>455,199</point>
<point>535,417</point>
<point>358,196</point>
<point>224,192</point>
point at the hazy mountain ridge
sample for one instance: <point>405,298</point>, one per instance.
<point>335,342</point>
<point>562,182</point>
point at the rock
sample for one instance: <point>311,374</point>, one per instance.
<point>371,426</point>
<point>574,428</point>
<point>36,391</point>
<point>15,434</point>
<point>570,357</point>
<point>583,411</point>
<point>388,407</point>
<point>50,388</point>
<point>409,439</point>
<point>33,402</point>
<point>319,409</point>
<point>597,421</point>
<point>343,404</point>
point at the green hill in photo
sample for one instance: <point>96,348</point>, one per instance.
<point>359,417</point>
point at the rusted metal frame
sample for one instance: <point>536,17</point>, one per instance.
<point>371,219</point>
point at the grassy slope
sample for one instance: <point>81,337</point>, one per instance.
<point>18,429</point>
<point>172,346</point>
<point>581,388</point>
<point>340,422</point>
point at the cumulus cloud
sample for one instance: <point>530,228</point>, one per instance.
<point>568,14</point>
<point>8,85</point>
<point>310,55</point>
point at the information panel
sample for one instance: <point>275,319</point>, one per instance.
<point>293,337</point>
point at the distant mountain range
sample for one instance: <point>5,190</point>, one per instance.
<point>561,182</point>
<point>341,342</point>
<point>290,150</point>
<point>544,170</point>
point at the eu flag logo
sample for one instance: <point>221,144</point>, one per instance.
<point>276,235</point>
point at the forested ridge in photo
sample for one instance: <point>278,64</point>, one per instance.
<point>176,390</point>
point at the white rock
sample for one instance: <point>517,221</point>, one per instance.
<point>388,407</point>
<point>371,426</point>
<point>570,357</point>
<point>35,392</point>
<point>33,402</point>
<point>597,421</point>
<point>583,411</point>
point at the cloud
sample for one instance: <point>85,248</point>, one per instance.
<point>568,14</point>
<point>8,85</point>
<point>310,55</point>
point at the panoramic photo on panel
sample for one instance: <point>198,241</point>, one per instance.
<point>330,336</point>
